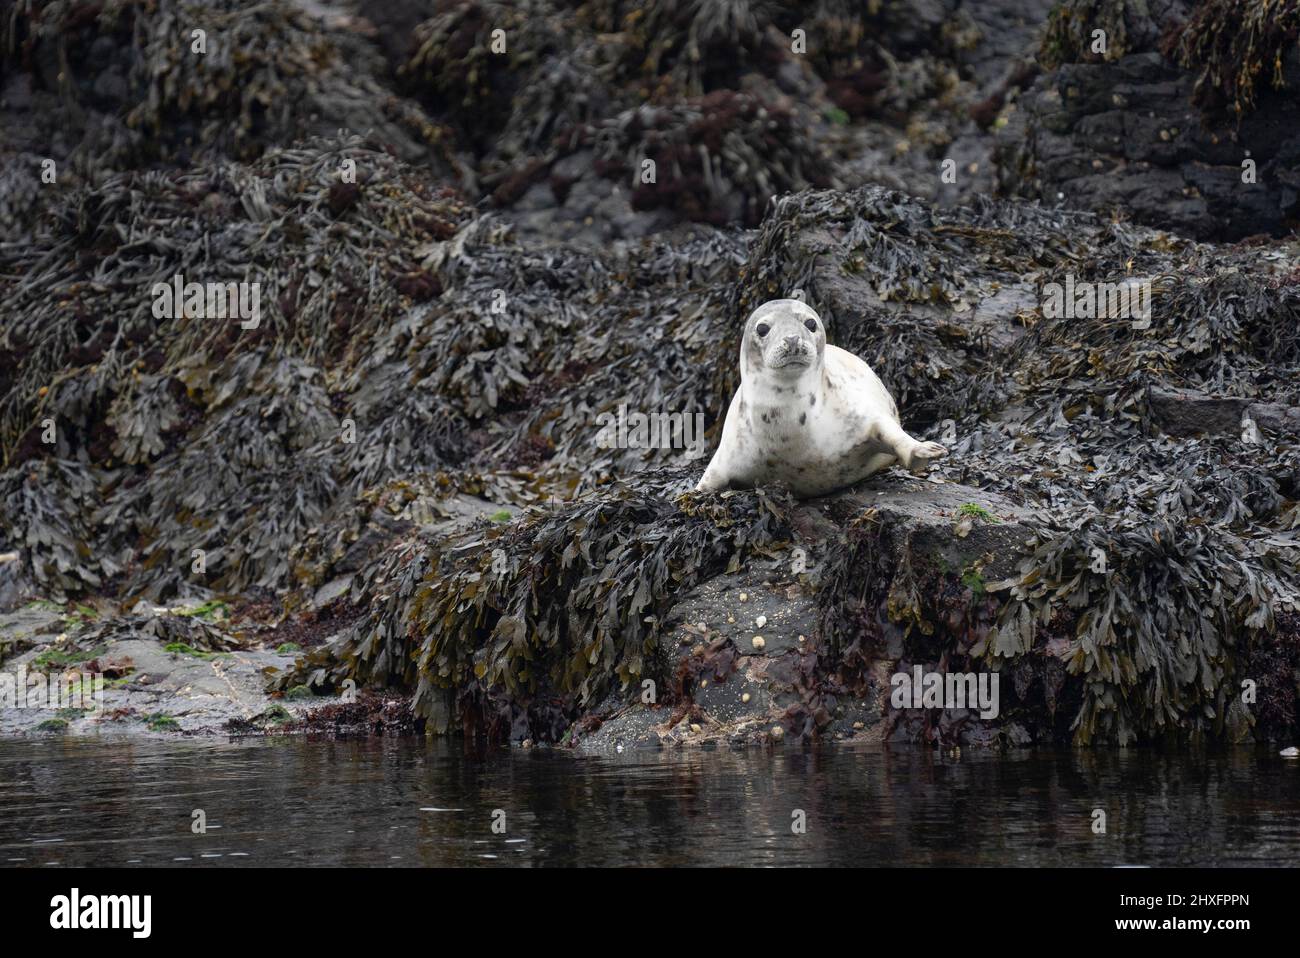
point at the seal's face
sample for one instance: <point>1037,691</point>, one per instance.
<point>784,338</point>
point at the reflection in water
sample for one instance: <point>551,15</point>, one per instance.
<point>409,802</point>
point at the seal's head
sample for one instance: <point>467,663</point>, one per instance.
<point>784,339</point>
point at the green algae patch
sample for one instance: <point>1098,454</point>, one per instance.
<point>180,648</point>
<point>63,656</point>
<point>212,609</point>
<point>160,722</point>
<point>972,510</point>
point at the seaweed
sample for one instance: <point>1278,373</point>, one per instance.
<point>719,158</point>
<point>1174,556</point>
<point>401,454</point>
<point>520,94</point>
<point>1070,31</point>
<point>126,86</point>
<point>1233,44</point>
<point>141,421</point>
<point>472,639</point>
<point>699,86</point>
<point>909,275</point>
<point>174,630</point>
<point>1160,634</point>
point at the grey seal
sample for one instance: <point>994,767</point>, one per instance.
<point>807,415</point>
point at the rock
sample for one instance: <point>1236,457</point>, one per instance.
<point>24,628</point>
<point>633,726</point>
<point>158,690</point>
<point>1275,418</point>
<point>17,92</point>
<point>787,608</point>
<point>478,548</point>
<point>331,590</point>
<point>1186,412</point>
<point>1122,133</point>
<point>769,676</point>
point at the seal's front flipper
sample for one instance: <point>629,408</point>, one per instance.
<point>923,453</point>
<point>913,455</point>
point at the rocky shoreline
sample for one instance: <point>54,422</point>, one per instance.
<point>384,506</point>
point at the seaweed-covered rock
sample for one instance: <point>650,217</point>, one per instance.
<point>112,393</point>
<point>376,427</point>
<point>24,627</point>
<point>733,103</point>
<point>395,337</point>
<point>1075,539</point>
<point>1186,121</point>
<point>547,109</point>
<point>717,159</point>
<point>98,88</point>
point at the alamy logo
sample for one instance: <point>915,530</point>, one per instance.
<point>1129,299</point>
<point>242,301</point>
<point>74,911</point>
<point>660,430</point>
<point>35,690</point>
<point>946,690</point>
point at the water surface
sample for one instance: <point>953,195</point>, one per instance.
<point>407,802</point>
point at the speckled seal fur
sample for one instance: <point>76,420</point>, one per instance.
<point>808,416</point>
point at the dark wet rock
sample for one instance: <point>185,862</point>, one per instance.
<point>1189,413</point>
<point>334,589</point>
<point>629,727</point>
<point>1276,418</point>
<point>1186,412</point>
<point>771,592</point>
<point>1131,132</point>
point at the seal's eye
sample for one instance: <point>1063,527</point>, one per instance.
<point>762,329</point>
<point>811,324</point>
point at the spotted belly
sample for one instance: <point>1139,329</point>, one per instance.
<point>805,471</point>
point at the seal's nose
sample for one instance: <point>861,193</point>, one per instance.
<point>793,343</point>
